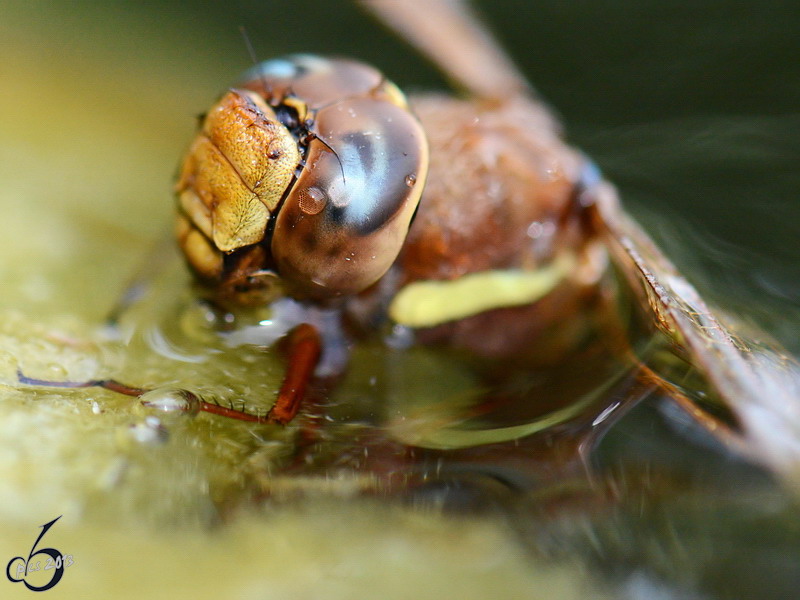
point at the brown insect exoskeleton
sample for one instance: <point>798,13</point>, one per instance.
<point>459,223</point>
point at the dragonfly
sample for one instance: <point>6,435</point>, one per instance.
<point>316,187</point>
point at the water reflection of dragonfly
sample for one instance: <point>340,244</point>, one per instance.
<point>520,266</point>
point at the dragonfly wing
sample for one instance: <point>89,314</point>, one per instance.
<point>454,39</point>
<point>755,379</point>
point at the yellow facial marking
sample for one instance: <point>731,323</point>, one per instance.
<point>202,255</point>
<point>237,170</point>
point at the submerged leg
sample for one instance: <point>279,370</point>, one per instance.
<point>109,384</point>
<point>303,347</point>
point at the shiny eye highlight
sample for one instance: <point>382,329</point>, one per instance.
<point>346,218</point>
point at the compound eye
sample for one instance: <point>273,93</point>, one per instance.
<point>319,81</point>
<point>346,217</point>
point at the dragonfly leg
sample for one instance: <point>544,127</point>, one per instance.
<point>109,384</point>
<point>190,401</point>
<point>303,347</point>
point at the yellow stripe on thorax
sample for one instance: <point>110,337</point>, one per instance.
<point>433,302</point>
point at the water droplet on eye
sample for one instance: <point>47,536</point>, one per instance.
<point>312,200</point>
<point>411,179</point>
<point>535,230</point>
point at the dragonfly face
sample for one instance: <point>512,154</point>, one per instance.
<point>302,181</point>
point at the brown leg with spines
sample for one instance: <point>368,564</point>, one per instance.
<point>303,347</point>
